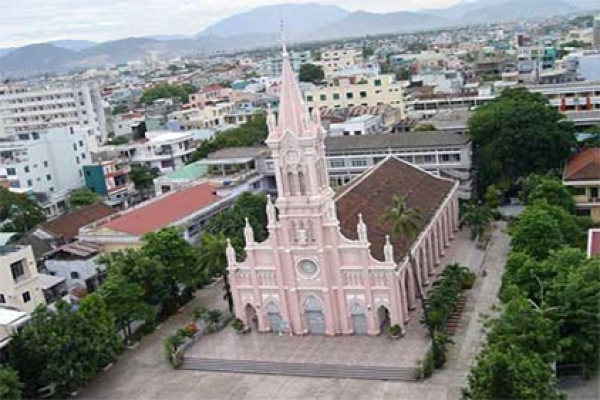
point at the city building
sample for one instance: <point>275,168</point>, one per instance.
<point>47,163</point>
<point>181,178</point>
<point>11,322</point>
<point>329,265</point>
<point>210,95</point>
<point>77,263</point>
<point>335,60</point>
<point>110,179</point>
<point>597,32</point>
<point>582,177</point>
<point>272,66</point>
<point>163,151</point>
<point>361,125</point>
<point>189,209</point>
<point>20,283</point>
<point>36,108</point>
<point>371,91</point>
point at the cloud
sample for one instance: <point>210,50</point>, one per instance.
<point>33,21</point>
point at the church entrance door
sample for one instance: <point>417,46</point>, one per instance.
<point>251,317</point>
<point>274,317</point>
<point>359,319</point>
<point>383,315</point>
<point>315,316</point>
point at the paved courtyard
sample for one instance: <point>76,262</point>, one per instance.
<point>142,373</point>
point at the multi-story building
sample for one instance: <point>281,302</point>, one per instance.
<point>20,283</point>
<point>361,125</point>
<point>11,322</point>
<point>111,180</point>
<point>208,117</point>
<point>354,91</point>
<point>597,32</point>
<point>273,66</point>
<point>210,95</point>
<point>24,109</point>
<point>46,162</point>
<point>335,60</point>
<point>160,150</point>
<point>582,176</point>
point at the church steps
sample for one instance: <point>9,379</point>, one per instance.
<point>300,369</point>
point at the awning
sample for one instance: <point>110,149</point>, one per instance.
<point>49,281</point>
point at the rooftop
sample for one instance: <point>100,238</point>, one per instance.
<point>584,166</point>
<point>9,316</point>
<point>391,140</point>
<point>239,153</point>
<point>189,172</point>
<point>372,194</point>
<point>67,226</point>
<point>164,211</point>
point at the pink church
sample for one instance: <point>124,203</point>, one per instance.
<point>329,266</point>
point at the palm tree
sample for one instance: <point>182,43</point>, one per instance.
<point>213,262</point>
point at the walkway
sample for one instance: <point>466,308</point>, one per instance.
<point>142,373</point>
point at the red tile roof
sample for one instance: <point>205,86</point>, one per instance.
<point>67,226</point>
<point>584,166</point>
<point>164,211</point>
<point>593,243</point>
<point>373,193</point>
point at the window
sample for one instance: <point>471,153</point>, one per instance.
<point>359,162</point>
<point>81,143</point>
<point>29,183</point>
<point>429,159</point>
<point>578,191</point>
<point>445,158</point>
<point>309,98</point>
<point>336,96</point>
<point>35,135</point>
<point>337,163</point>
<point>377,82</point>
<point>349,95</point>
<point>26,297</point>
<point>363,95</point>
<point>2,299</point>
<point>455,157</point>
<point>48,177</point>
<point>74,275</point>
<point>77,159</point>
<point>75,146</point>
<point>26,169</point>
<point>323,97</point>
<point>11,171</point>
<point>17,269</point>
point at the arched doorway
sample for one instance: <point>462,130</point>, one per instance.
<point>383,316</point>
<point>359,319</point>
<point>251,316</point>
<point>315,317</point>
<point>274,317</point>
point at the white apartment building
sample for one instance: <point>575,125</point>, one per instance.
<point>20,283</point>
<point>362,125</point>
<point>335,60</point>
<point>163,151</point>
<point>365,90</point>
<point>28,108</point>
<point>209,117</point>
<point>273,66</point>
<point>47,162</point>
<point>11,321</point>
<point>77,263</point>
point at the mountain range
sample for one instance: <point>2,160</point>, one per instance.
<point>260,27</point>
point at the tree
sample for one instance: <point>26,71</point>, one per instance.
<point>178,257</point>
<point>311,73</point>
<point>478,218</point>
<point>142,176</point>
<point>164,91</point>
<point>82,197</point>
<point>10,385</point>
<point>405,222</point>
<point>553,192</point>
<point>492,197</point>
<point>508,371</point>
<point>427,127</point>
<point>125,300</point>
<point>517,134</point>
<point>536,233</point>
<point>231,222</point>
<point>119,109</point>
<point>213,262</point>
<point>21,210</point>
<point>252,133</point>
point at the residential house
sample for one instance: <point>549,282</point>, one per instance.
<point>582,177</point>
<point>110,179</point>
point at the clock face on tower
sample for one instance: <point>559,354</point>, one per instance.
<point>292,157</point>
<point>307,267</point>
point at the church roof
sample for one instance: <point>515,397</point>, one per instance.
<point>372,195</point>
<point>292,110</point>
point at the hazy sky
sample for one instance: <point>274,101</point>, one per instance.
<point>32,21</point>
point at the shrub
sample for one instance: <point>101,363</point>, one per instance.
<point>191,329</point>
<point>237,324</point>
<point>214,316</point>
<point>469,281</point>
<point>428,365</point>
<point>199,312</point>
<point>395,330</point>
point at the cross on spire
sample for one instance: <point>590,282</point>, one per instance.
<point>282,37</point>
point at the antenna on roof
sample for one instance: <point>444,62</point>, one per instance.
<point>282,35</point>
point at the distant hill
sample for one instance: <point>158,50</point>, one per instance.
<point>517,10</point>
<point>362,23</point>
<point>299,19</point>
<point>36,58</point>
<point>74,45</point>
